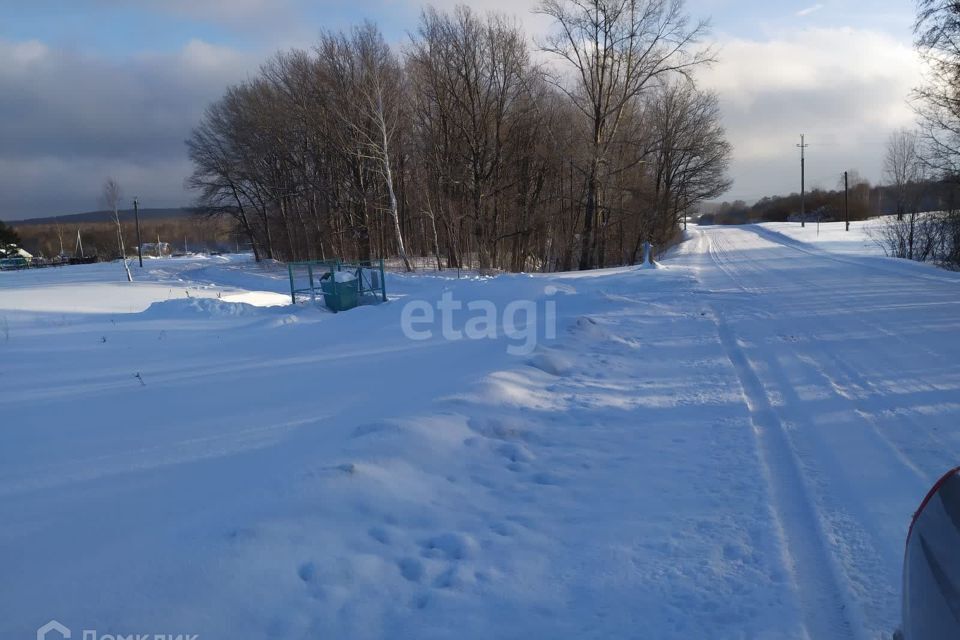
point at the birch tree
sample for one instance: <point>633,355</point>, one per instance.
<point>112,196</point>
<point>380,94</point>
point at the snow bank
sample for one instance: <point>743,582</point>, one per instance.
<point>193,307</point>
<point>551,362</point>
<point>259,298</point>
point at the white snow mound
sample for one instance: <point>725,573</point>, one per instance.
<point>192,307</point>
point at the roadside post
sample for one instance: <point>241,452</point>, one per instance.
<point>136,217</point>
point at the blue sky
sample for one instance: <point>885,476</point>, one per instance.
<point>123,28</point>
<point>90,88</point>
<point>120,28</point>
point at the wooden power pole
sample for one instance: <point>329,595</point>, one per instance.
<point>803,213</point>
<point>846,201</point>
<point>136,217</point>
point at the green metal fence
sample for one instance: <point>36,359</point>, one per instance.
<point>318,277</point>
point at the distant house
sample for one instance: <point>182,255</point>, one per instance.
<point>13,257</point>
<point>156,248</point>
<point>13,251</point>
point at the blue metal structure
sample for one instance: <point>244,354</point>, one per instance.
<point>368,283</point>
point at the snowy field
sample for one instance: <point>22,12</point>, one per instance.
<point>833,236</point>
<point>730,446</point>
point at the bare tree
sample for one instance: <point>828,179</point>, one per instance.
<point>688,160</point>
<point>616,49</point>
<point>475,73</point>
<point>916,236</point>
<point>462,150</point>
<point>216,176</point>
<point>913,235</point>
<point>112,196</point>
<point>902,166</point>
<point>937,101</point>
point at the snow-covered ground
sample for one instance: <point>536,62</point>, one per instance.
<point>861,239</point>
<point>730,446</point>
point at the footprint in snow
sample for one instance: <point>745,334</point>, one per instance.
<point>546,479</point>
<point>421,601</point>
<point>451,546</point>
<point>307,572</point>
<point>411,569</point>
<point>452,578</point>
<point>380,534</point>
<point>515,452</point>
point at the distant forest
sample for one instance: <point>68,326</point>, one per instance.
<point>183,233</point>
<point>863,201</point>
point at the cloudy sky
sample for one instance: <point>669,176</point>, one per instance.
<point>96,88</point>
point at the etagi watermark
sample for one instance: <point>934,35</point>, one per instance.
<point>522,322</point>
<point>54,630</point>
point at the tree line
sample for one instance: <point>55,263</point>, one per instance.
<point>470,145</point>
<point>100,239</point>
<point>899,197</point>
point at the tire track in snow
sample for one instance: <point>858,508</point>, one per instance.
<point>855,389</point>
<point>895,270</point>
<point>843,378</point>
<point>724,266</point>
<point>826,606</point>
<point>863,536</point>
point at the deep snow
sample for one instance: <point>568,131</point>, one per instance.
<point>730,446</point>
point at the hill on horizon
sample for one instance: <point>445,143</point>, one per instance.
<point>107,216</point>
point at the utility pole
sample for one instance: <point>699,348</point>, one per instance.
<point>846,201</point>
<point>803,214</point>
<point>136,216</point>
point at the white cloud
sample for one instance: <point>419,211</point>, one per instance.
<point>534,24</point>
<point>845,88</point>
<point>221,11</point>
<point>809,10</point>
<point>79,115</point>
<point>25,53</point>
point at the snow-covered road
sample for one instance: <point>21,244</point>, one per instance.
<point>849,368</point>
<point>727,447</point>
